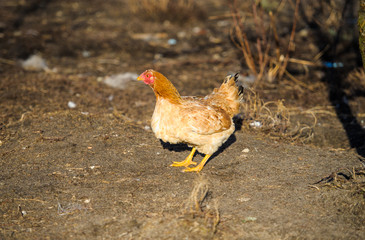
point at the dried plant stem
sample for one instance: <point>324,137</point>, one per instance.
<point>275,33</point>
<point>275,119</point>
<point>291,45</point>
<point>257,56</point>
<point>242,38</point>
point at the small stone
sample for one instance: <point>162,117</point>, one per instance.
<point>71,104</point>
<point>86,54</point>
<point>246,150</point>
<point>256,124</point>
<point>34,63</point>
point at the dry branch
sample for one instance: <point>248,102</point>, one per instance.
<point>263,65</point>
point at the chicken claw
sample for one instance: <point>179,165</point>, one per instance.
<point>188,161</point>
<point>199,167</point>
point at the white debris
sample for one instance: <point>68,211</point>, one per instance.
<point>244,199</point>
<point>256,124</point>
<point>250,219</point>
<point>146,127</point>
<point>71,104</point>
<point>87,201</point>
<point>86,54</point>
<point>120,80</point>
<point>34,63</point>
<point>181,34</point>
<point>148,37</point>
<point>246,150</point>
<point>197,30</point>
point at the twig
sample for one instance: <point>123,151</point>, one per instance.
<point>242,38</point>
<point>298,82</point>
<point>7,61</point>
<point>29,199</point>
<point>291,41</point>
<point>275,33</point>
<point>57,139</point>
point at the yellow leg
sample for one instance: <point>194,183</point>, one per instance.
<point>188,161</point>
<point>199,167</point>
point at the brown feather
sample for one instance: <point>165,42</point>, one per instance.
<point>163,88</point>
<point>226,97</point>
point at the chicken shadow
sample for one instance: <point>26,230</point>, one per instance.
<point>183,147</point>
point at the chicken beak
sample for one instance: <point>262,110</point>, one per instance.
<point>140,78</point>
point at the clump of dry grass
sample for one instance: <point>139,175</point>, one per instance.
<point>179,11</point>
<point>354,84</point>
<point>274,119</point>
<point>353,198</point>
<point>197,206</point>
<point>265,58</point>
<point>345,178</point>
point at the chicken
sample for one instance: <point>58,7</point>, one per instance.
<point>202,123</point>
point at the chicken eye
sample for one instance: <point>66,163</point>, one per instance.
<point>147,75</point>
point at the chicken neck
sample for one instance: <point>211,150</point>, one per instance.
<point>163,88</point>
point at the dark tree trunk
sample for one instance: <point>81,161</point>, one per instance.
<point>361,25</point>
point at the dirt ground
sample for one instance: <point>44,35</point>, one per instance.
<point>78,159</point>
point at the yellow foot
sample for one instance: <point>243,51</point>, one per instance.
<point>184,163</point>
<point>194,169</point>
<point>199,167</point>
<point>187,162</point>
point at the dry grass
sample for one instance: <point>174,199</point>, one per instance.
<point>351,183</point>
<point>198,219</point>
<point>258,33</point>
<point>354,84</point>
<point>346,178</point>
<point>264,58</point>
<point>179,11</point>
<point>197,205</point>
<point>274,119</point>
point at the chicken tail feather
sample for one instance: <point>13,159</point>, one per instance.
<point>229,95</point>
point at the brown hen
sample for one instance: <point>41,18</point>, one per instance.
<point>203,123</point>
